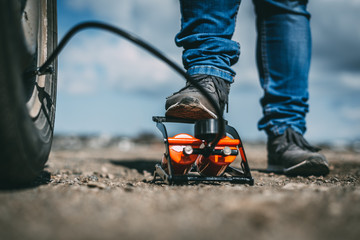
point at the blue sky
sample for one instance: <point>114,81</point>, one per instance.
<point>107,85</point>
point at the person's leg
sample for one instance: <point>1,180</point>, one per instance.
<point>283,58</point>
<point>206,31</point>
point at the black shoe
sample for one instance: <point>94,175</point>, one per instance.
<point>189,103</point>
<point>292,155</point>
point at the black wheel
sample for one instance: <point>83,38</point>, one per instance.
<point>28,31</point>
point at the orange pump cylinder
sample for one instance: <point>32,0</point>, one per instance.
<point>181,148</point>
<point>181,160</point>
<point>215,165</point>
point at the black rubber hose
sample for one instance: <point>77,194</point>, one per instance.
<point>138,41</point>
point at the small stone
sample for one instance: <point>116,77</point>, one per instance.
<point>77,172</point>
<point>104,169</point>
<point>96,185</point>
<point>294,186</point>
<point>312,177</point>
<point>146,173</point>
<point>110,176</point>
<point>335,179</point>
<point>93,178</point>
<point>128,189</point>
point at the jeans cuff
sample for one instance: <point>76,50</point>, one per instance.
<point>275,131</point>
<point>213,71</point>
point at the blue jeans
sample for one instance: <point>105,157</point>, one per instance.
<point>283,53</point>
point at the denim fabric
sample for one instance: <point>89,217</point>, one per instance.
<point>206,31</point>
<point>283,53</point>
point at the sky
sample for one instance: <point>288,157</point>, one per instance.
<point>107,85</point>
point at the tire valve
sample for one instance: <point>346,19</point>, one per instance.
<point>48,70</point>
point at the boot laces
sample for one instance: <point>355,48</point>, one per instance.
<point>212,84</point>
<point>294,138</point>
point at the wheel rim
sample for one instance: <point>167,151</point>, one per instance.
<point>34,23</point>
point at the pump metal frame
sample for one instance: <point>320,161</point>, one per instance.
<point>234,175</point>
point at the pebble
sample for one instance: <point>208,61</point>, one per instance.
<point>104,169</point>
<point>110,176</point>
<point>294,186</point>
<point>96,185</point>
<point>335,179</point>
<point>93,178</point>
<point>128,189</point>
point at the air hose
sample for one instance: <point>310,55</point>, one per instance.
<point>46,66</point>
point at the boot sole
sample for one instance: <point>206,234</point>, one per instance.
<point>309,167</point>
<point>189,109</point>
<point>312,166</point>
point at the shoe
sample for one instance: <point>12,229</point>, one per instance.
<point>292,155</point>
<point>189,103</point>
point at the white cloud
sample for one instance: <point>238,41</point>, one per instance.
<point>351,113</point>
<point>335,33</point>
<point>351,80</point>
<point>156,20</point>
<point>102,61</point>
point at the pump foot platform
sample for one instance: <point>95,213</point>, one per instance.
<point>161,175</point>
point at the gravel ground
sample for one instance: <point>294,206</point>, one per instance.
<point>105,193</point>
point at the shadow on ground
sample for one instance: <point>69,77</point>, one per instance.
<point>140,165</point>
<point>42,179</point>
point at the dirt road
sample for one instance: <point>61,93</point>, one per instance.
<point>105,193</point>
